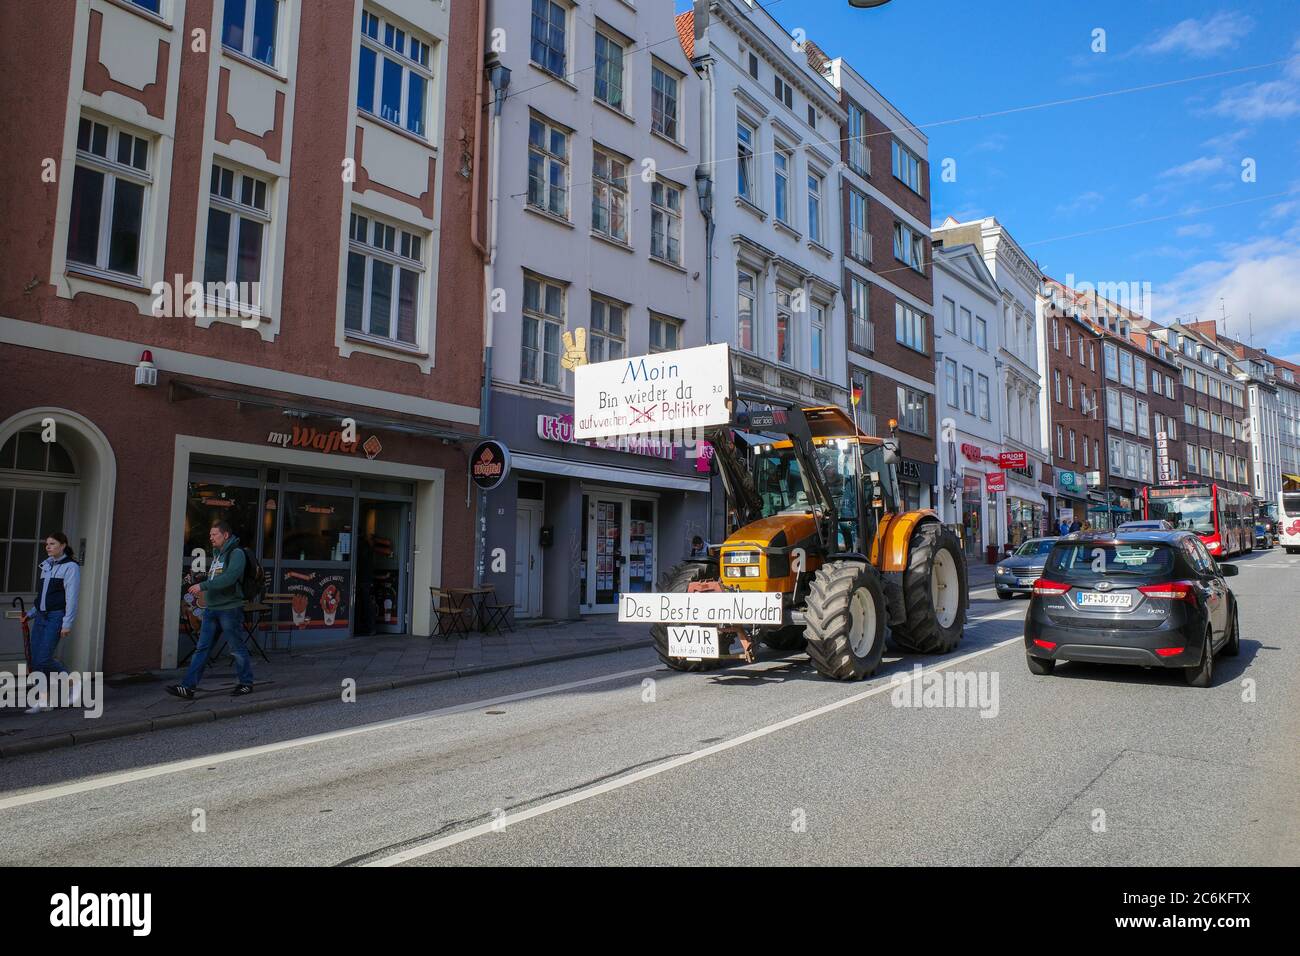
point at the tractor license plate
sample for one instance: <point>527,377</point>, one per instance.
<point>693,643</point>
<point>1092,599</point>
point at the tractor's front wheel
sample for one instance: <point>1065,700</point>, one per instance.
<point>934,592</point>
<point>845,617</point>
<point>678,579</point>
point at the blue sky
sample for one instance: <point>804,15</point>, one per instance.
<point>1104,165</point>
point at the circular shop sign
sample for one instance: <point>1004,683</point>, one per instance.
<point>489,464</point>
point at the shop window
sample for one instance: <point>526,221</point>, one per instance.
<point>34,495</point>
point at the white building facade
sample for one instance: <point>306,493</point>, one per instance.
<point>967,300</point>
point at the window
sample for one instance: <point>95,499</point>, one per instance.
<point>906,167</point>
<point>1116,448</point>
<point>782,91</point>
<point>1060,442</point>
<point>1056,384</point>
<point>1125,369</point>
<point>607,337</point>
<point>1112,361</point>
<point>745,284</point>
<point>1130,413</point>
<point>1068,353</point>
<point>665,334</point>
<point>1189,414</point>
<point>385,267</point>
<point>548,167</point>
<point>1144,462</point>
<point>781,160</point>
<point>909,327</point>
<point>248,27</point>
<point>1056,335</point>
<point>950,382</point>
<point>393,72</point>
<point>817,338</point>
<point>110,189</point>
<point>1206,468</point>
<point>1218,464</point>
<point>815,181</point>
<point>753,66</point>
<point>1130,459</point>
<point>949,315</point>
<point>666,221</point>
<point>1203,418</point>
<point>1214,389</point>
<point>913,411</point>
<point>1092,357</point>
<point>909,247</point>
<point>237,220</point>
<point>968,390</point>
<point>1085,452</point>
<point>609,194</point>
<point>859,158</point>
<point>812,116</point>
<point>1191,457</point>
<point>981,334</point>
<point>859,238</point>
<point>784,325</point>
<point>965,324</point>
<point>543,320</point>
<point>1169,386</point>
<point>860,328</point>
<point>1082,358</point>
<point>1113,418</point>
<point>1216,424</point>
<point>663,101</point>
<point>609,71</point>
<point>1069,391</point>
<point>1073,453</point>
<point>153,6</point>
<point>986,405</point>
<point>548,36</point>
<point>745,161</point>
<point>1144,419</point>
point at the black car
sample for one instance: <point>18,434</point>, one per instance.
<point>1151,598</point>
<point>1016,574</point>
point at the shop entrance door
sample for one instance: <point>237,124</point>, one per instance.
<point>383,569</point>
<point>528,557</point>
<point>621,544</point>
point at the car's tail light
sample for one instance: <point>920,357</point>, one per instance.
<point>1044,586</point>
<point>1168,651</point>
<point>1172,591</point>
<point>1045,645</point>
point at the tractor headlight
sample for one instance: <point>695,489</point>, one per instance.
<point>751,571</point>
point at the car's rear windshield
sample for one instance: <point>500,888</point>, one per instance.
<point>1094,560</point>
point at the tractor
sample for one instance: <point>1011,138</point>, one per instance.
<point>817,515</point>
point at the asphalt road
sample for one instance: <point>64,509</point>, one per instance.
<point>616,760</point>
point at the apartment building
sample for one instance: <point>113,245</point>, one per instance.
<point>1020,382</point>
<point>599,234</point>
<point>888,277</point>
<point>240,284</point>
<point>969,417</point>
<point>1214,406</point>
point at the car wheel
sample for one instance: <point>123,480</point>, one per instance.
<point>1005,595</point>
<point>1040,665</point>
<point>1203,673</point>
<point>1233,646</point>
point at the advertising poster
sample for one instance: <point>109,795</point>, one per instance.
<point>319,599</point>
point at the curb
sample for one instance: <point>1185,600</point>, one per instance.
<point>186,718</point>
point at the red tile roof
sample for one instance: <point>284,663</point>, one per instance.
<point>686,32</point>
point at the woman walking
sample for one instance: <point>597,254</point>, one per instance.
<point>54,612</point>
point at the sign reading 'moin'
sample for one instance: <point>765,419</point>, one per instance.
<point>755,608</point>
<point>667,391</point>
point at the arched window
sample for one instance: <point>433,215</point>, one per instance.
<point>37,485</point>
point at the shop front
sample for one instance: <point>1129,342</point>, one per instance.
<point>591,519</point>
<point>972,512</point>
<point>1071,498</point>
<point>918,481</point>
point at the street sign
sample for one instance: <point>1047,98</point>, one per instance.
<point>489,464</point>
<point>667,391</point>
<point>1013,459</point>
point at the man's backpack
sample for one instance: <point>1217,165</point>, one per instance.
<point>253,583</point>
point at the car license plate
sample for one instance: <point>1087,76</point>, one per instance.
<point>1025,582</point>
<point>693,643</point>
<point>1094,599</point>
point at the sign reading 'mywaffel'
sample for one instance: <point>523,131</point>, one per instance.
<point>666,391</point>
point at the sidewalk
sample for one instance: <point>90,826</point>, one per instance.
<point>139,704</point>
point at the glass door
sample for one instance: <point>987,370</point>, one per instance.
<point>383,578</point>
<point>607,551</point>
<point>315,566</point>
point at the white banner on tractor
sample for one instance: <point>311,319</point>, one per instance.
<point>754,608</point>
<point>667,391</point>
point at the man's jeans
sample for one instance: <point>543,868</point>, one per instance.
<point>45,628</point>
<point>229,622</point>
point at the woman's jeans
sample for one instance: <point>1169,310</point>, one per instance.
<point>45,628</point>
<point>229,622</point>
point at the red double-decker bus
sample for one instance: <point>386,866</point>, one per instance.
<point>1224,519</point>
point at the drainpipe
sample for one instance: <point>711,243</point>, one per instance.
<point>499,76</point>
<point>478,132</point>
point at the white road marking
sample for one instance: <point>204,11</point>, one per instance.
<point>179,766</point>
<point>433,846</point>
<point>43,794</point>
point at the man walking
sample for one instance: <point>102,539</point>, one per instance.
<point>223,613</point>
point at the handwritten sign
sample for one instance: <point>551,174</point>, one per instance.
<point>666,391</point>
<point>702,608</point>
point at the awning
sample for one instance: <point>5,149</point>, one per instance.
<point>614,473</point>
<point>1293,479</point>
<point>1113,509</point>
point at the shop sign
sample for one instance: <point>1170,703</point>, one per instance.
<point>1070,481</point>
<point>560,428</point>
<point>489,464</point>
<point>1162,455</point>
<point>995,481</point>
<point>1013,459</point>
<point>667,391</point>
<point>972,452</point>
<point>328,442</point>
<point>910,470</point>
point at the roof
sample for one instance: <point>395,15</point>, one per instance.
<point>686,32</point>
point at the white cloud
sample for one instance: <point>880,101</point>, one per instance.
<point>1196,168</point>
<point>1202,37</point>
<point>1198,229</point>
<point>1275,99</point>
<point>1082,203</point>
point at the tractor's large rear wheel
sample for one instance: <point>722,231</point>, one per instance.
<point>934,593</point>
<point>678,579</point>
<point>845,617</point>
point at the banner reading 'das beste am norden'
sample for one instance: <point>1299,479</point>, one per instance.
<point>666,391</point>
